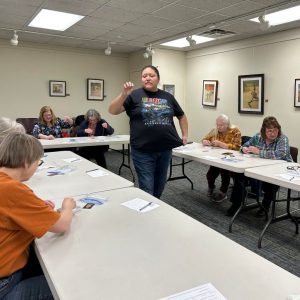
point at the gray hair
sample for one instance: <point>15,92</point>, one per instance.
<point>7,125</point>
<point>92,113</point>
<point>19,149</point>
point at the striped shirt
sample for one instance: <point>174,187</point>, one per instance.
<point>232,137</point>
<point>278,149</point>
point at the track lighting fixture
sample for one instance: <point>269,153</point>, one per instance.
<point>264,24</point>
<point>149,52</point>
<point>191,41</point>
<point>14,41</point>
<point>107,51</point>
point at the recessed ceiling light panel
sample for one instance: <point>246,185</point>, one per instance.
<point>54,20</point>
<point>182,43</point>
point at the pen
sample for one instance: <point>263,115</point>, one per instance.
<point>91,170</point>
<point>292,178</point>
<point>148,204</point>
<point>75,159</point>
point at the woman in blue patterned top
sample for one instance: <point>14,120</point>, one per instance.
<point>49,126</point>
<point>269,143</point>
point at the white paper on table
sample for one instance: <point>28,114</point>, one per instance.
<point>72,159</point>
<point>209,157</point>
<point>96,173</point>
<point>140,205</point>
<point>288,177</point>
<point>203,292</point>
<point>231,159</point>
<point>187,147</point>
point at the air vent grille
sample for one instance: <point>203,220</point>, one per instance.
<point>218,33</point>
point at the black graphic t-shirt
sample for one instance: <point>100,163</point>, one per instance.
<point>151,120</point>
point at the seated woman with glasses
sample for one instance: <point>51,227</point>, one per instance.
<point>49,126</point>
<point>93,125</point>
<point>24,217</point>
<point>269,143</point>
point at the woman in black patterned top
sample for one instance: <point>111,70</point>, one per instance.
<point>49,126</point>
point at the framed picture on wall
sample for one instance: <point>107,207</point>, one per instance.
<point>57,88</point>
<point>251,94</point>
<point>170,88</point>
<point>95,89</point>
<point>297,93</point>
<point>209,92</point>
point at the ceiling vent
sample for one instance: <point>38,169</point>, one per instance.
<point>218,33</point>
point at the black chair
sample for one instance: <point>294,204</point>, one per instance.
<point>77,121</point>
<point>245,138</point>
<point>28,123</point>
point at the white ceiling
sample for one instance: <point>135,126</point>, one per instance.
<point>130,25</point>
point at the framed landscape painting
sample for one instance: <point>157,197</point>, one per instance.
<point>57,88</point>
<point>251,94</point>
<point>95,89</point>
<point>209,92</point>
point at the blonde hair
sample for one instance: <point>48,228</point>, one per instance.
<point>19,149</point>
<point>7,125</point>
<point>41,116</point>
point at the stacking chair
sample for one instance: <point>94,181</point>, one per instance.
<point>289,214</point>
<point>28,123</point>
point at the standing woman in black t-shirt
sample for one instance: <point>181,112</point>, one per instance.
<point>152,131</point>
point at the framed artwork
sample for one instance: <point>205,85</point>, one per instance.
<point>297,93</point>
<point>209,93</point>
<point>95,89</point>
<point>170,88</point>
<point>251,94</point>
<point>57,88</point>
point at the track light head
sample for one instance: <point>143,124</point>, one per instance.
<point>191,41</point>
<point>14,41</point>
<point>264,24</point>
<point>149,52</point>
<point>146,55</point>
<point>107,51</point>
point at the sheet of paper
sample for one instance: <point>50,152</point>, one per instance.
<point>140,205</point>
<point>209,157</point>
<point>96,173</point>
<point>203,292</point>
<point>72,159</point>
<point>187,147</point>
<point>231,159</point>
<point>288,177</point>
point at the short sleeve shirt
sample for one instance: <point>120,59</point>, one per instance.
<point>23,217</point>
<point>151,116</point>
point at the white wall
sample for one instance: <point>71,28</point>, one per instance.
<point>26,70</point>
<point>275,55</point>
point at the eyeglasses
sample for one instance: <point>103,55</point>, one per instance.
<point>271,130</point>
<point>41,162</point>
<point>293,168</point>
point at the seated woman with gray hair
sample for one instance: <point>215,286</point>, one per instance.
<point>93,125</point>
<point>225,136</point>
<point>7,125</point>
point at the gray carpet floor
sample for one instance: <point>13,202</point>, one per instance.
<point>280,244</point>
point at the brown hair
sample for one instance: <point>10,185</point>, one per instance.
<point>46,109</point>
<point>269,122</point>
<point>18,150</point>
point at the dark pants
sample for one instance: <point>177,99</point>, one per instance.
<point>151,169</point>
<point>27,283</point>
<point>97,153</point>
<point>238,191</point>
<point>213,173</point>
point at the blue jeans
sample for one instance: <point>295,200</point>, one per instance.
<point>34,288</point>
<point>151,169</point>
